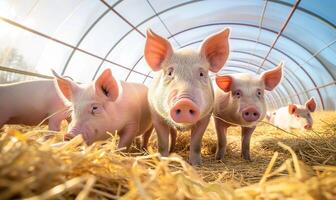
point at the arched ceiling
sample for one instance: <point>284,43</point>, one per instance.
<point>80,38</point>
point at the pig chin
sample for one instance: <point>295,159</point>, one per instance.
<point>178,126</point>
<point>85,132</point>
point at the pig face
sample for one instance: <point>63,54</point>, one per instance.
<point>246,94</point>
<point>301,117</point>
<point>91,116</point>
<point>182,92</point>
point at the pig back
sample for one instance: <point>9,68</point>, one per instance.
<point>29,102</point>
<point>138,105</point>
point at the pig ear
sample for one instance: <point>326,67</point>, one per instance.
<point>311,104</point>
<point>215,49</point>
<point>157,49</point>
<point>107,86</point>
<point>224,82</point>
<point>272,77</point>
<point>292,108</point>
<point>66,87</point>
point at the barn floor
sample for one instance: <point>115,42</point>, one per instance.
<point>30,168</point>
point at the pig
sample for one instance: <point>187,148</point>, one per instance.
<point>239,101</point>
<point>181,93</point>
<point>30,102</point>
<point>107,105</point>
<point>295,116</point>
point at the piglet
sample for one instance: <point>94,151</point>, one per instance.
<point>31,102</point>
<point>107,105</point>
<point>181,93</point>
<point>294,116</point>
<point>239,101</point>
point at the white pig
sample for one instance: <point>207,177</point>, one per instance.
<point>30,102</point>
<point>181,94</point>
<point>107,105</point>
<point>239,101</point>
<point>295,116</point>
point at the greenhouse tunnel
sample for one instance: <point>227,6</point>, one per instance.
<point>80,38</point>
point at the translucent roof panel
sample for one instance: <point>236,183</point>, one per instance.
<point>80,38</point>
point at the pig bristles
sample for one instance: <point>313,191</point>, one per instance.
<point>286,165</point>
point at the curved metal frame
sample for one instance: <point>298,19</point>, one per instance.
<point>186,3</point>
<point>190,2</point>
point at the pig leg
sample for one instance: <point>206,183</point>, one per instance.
<point>137,141</point>
<point>127,135</point>
<point>246,137</point>
<point>162,132</point>
<point>54,123</point>
<point>221,130</point>
<point>197,133</point>
<point>173,134</point>
<point>145,138</point>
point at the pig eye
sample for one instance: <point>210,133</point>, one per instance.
<point>201,74</point>
<point>259,93</point>
<point>297,116</point>
<point>95,109</point>
<point>237,94</point>
<point>170,71</point>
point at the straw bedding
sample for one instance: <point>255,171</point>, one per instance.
<point>286,165</point>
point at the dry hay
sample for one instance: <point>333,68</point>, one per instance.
<point>286,165</point>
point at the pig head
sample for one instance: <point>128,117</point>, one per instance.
<point>300,114</point>
<point>243,95</point>
<point>181,94</point>
<point>90,115</point>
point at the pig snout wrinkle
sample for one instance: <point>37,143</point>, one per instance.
<point>250,114</point>
<point>185,111</point>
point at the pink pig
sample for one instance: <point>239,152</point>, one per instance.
<point>31,102</point>
<point>107,105</point>
<point>181,94</point>
<point>294,116</point>
<point>239,101</point>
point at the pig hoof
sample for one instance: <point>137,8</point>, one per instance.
<point>220,155</point>
<point>164,154</point>
<point>195,161</point>
<point>247,158</point>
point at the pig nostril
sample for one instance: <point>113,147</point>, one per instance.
<point>255,114</point>
<point>246,114</point>
<point>191,112</point>
<point>178,111</point>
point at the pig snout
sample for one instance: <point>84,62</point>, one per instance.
<point>73,132</point>
<point>307,127</point>
<point>185,111</point>
<point>250,114</point>
<point>68,136</point>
